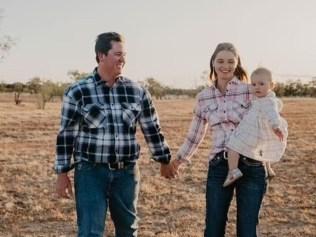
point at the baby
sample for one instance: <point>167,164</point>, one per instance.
<point>262,133</point>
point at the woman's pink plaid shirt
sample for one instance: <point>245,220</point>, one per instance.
<point>219,113</point>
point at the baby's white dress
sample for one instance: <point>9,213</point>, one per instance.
<point>254,137</point>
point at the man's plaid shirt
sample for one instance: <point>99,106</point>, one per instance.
<point>98,123</point>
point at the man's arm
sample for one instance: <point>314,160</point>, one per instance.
<point>150,127</point>
<point>67,134</point>
<point>65,145</point>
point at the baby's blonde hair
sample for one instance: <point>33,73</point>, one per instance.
<point>262,71</point>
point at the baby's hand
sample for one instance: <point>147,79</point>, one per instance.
<point>279,133</point>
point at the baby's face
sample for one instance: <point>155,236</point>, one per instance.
<point>261,85</point>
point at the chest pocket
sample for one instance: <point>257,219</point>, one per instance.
<point>238,110</point>
<point>130,113</point>
<point>211,114</point>
<point>94,115</point>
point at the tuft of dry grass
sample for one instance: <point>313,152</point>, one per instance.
<point>29,208</point>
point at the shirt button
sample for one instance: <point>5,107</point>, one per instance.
<point>224,111</point>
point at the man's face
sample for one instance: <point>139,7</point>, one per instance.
<point>114,61</point>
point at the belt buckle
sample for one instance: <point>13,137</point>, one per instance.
<point>225,155</point>
<point>120,165</point>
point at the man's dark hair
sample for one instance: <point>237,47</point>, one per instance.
<point>104,42</point>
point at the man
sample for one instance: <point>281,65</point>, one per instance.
<point>98,126</point>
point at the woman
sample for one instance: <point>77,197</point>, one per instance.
<point>221,107</point>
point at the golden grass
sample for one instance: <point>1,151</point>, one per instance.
<point>28,206</point>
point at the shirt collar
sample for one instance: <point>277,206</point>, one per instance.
<point>234,81</point>
<point>231,84</point>
<point>98,80</point>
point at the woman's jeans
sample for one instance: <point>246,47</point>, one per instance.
<point>250,189</point>
<point>98,187</point>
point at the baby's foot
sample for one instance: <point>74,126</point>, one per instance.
<point>271,173</point>
<point>232,176</point>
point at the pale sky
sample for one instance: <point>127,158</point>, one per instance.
<point>171,41</point>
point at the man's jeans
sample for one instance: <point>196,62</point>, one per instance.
<point>250,189</point>
<point>97,188</point>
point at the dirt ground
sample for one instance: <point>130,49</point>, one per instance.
<point>29,208</point>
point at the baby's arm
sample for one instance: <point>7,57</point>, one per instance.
<point>278,132</point>
<point>271,111</point>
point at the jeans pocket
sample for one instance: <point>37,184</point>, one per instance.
<point>84,166</point>
<point>133,171</point>
<point>215,161</point>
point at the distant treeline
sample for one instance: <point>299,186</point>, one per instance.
<point>296,88</point>
<point>45,90</point>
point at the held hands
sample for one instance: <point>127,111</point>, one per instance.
<point>63,186</point>
<point>279,133</point>
<point>170,170</point>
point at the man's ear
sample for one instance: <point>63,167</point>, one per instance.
<point>100,56</point>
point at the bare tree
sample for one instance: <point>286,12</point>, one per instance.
<point>75,75</point>
<point>6,42</point>
<point>18,89</point>
<point>155,88</point>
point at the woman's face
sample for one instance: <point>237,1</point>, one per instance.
<point>225,64</point>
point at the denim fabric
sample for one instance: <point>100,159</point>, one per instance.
<point>98,188</point>
<point>250,190</point>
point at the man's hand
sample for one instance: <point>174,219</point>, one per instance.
<point>176,164</point>
<point>168,171</point>
<point>63,186</point>
<point>279,133</point>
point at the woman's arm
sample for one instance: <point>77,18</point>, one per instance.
<point>194,136</point>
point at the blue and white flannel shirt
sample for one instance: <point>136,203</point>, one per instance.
<point>98,123</point>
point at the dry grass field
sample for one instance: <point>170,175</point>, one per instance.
<point>29,208</point>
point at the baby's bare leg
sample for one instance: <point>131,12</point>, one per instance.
<point>270,171</point>
<point>234,173</point>
<point>233,159</point>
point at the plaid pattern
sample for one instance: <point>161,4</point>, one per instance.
<point>98,123</point>
<point>254,136</point>
<point>220,113</point>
